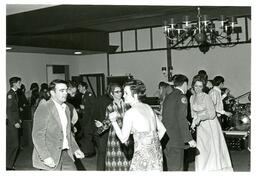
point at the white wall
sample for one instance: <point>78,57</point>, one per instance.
<point>88,64</point>
<point>32,67</point>
<point>234,64</point>
<point>145,66</point>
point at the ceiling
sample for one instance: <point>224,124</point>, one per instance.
<point>63,29</point>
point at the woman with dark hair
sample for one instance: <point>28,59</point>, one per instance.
<point>115,158</point>
<point>44,94</point>
<point>214,155</point>
<point>33,98</point>
<point>141,121</point>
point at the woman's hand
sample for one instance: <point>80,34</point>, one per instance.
<point>112,116</point>
<point>195,122</point>
<point>98,123</point>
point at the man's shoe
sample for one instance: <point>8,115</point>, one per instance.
<point>10,168</point>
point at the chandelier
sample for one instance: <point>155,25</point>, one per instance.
<point>202,33</point>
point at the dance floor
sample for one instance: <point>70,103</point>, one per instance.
<point>240,160</point>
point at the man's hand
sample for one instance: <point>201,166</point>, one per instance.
<point>81,106</point>
<point>229,114</point>
<point>49,162</point>
<point>79,154</point>
<point>17,125</point>
<point>192,143</point>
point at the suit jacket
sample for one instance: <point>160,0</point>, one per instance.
<point>87,123</point>
<point>88,101</point>
<point>47,135</point>
<point>99,110</point>
<point>174,119</point>
<point>12,108</point>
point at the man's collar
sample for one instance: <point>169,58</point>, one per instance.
<point>13,89</point>
<point>180,89</point>
<point>217,88</point>
<point>63,105</point>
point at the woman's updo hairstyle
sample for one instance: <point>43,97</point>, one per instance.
<point>137,87</point>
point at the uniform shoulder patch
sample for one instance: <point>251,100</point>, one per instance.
<point>184,100</point>
<point>9,96</point>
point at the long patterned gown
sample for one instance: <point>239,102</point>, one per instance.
<point>115,157</point>
<point>214,155</point>
<point>147,152</point>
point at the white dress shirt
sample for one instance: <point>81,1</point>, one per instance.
<point>63,119</point>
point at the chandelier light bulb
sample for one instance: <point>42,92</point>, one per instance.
<point>222,20</point>
<point>186,20</point>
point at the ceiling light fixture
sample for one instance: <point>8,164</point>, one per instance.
<point>202,33</point>
<point>77,53</point>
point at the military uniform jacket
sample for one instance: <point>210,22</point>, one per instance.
<point>12,108</point>
<point>88,101</point>
<point>174,119</point>
<point>47,135</point>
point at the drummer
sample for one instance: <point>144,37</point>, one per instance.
<point>217,98</point>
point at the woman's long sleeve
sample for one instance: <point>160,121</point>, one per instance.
<point>209,111</point>
<point>193,113</point>
<point>210,107</point>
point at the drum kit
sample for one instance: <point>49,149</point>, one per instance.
<point>241,118</point>
<point>240,121</point>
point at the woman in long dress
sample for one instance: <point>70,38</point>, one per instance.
<point>214,155</point>
<point>141,121</point>
<point>115,158</point>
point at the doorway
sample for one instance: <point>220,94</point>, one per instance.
<point>57,72</point>
<point>96,83</point>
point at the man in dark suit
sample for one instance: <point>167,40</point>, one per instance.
<point>99,114</point>
<point>87,124</point>
<point>54,144</point>
<point>13,123</point>
<point>174,119</point>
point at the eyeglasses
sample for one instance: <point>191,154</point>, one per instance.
<point>118,91</point>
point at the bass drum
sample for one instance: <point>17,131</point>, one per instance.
<point>241,122</point>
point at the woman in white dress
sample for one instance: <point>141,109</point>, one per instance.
<point>214,155</point>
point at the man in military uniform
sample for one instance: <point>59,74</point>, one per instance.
<point>87,124</point>
<point>13,123</point>
<point>99,114</point>
<point>175,122</point>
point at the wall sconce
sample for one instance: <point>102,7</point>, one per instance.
<point>164,71</point>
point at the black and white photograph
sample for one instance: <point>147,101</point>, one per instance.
<point>102,86</point>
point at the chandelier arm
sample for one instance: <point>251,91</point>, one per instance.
<point>180,42</point>
<point>169,38</point>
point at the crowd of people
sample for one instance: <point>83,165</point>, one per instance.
<point>126,134</point>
